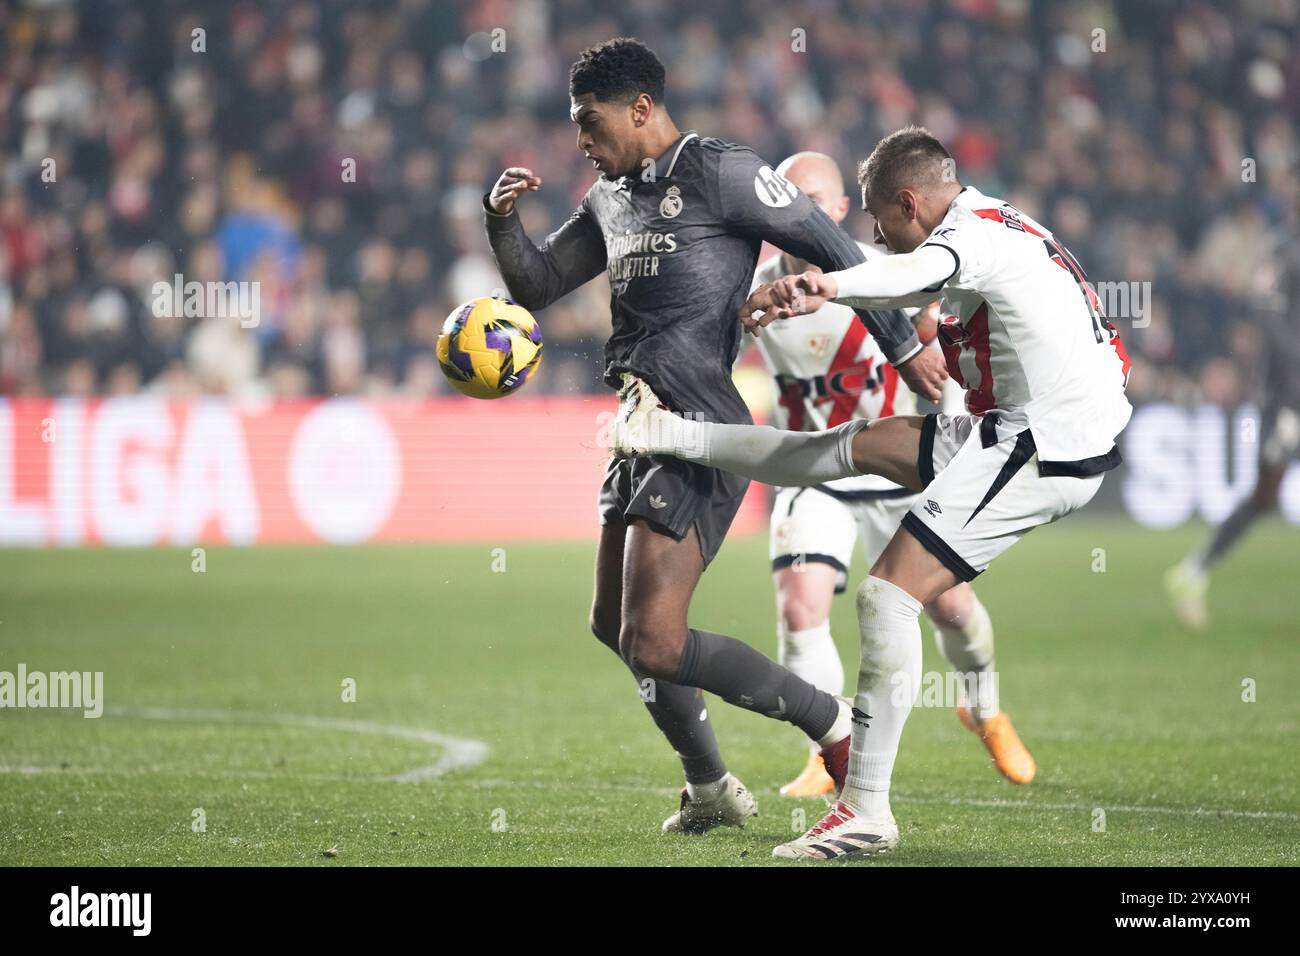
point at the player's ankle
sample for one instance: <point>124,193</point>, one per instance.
<point>707,792</point>
<point>842,727</point>
<point>873,804</point>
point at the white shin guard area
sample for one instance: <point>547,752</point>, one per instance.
<point>889,677</point>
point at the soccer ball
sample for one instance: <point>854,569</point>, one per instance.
<point>489,347</point>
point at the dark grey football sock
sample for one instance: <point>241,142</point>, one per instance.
<point>742,676</point>
<point>1227,534</point>
<point>677,710</point>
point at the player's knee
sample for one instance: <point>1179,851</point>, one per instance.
<point>605,626</point>
<point>881,606</point>
<point>648,650</point>
<point>798,614</point>
<point>952,606</point>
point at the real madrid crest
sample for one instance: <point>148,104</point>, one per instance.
<point>671,205</point>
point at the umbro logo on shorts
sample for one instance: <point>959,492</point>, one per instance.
<point>861,717</point>
<point>932,506</point>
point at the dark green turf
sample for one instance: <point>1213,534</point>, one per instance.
<point>1123,710</point>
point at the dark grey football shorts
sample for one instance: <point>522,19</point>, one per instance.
<point>675,495</point>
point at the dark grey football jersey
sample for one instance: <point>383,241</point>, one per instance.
<point>680,243</point>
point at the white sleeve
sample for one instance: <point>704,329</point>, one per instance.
<point>968,246</point>
<point>907,279</point>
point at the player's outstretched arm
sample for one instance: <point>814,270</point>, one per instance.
<point>756,202</point>
<point>536,277</point>
<point>907,279</point>
<point>901,281</point>
<point>870,283</point>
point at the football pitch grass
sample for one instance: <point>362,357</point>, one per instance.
<point>489,726</point>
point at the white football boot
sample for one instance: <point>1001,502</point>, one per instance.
<point>640,428</point>
<point>1186,586</point>
<point>733,806</point>
<point>842,833</point>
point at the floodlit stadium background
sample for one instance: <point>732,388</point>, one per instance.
<point>218,141</point>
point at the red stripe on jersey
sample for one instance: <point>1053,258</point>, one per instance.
<point>997,216</point>
<point>980,400</point>
<point>844,404</point>
<point>890,384</point>
<point>974,336</point>
<point>950,335</point>
<point>1120,350</point>
<point>792,401</point>
<point>1060,255</point>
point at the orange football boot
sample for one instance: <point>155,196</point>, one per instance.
<point>813,781</point>
<point>1010,755</point>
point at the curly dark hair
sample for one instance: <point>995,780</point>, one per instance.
<point>618,70</point>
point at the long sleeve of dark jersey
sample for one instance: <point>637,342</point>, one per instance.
<point>756,202</point>
<point>536,277</point>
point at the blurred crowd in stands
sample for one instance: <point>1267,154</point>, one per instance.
<point>337,152</point>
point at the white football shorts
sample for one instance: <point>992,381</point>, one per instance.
<point>820,525</point>
<point>982,495</point>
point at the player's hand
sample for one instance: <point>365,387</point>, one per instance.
<point>804,293</point>
<point>925,374</point>
<point>760,300</point>
<point>514,182</point>
<point>787,297</point>
<point>927,323</point>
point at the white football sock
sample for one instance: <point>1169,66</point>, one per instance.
<point>967,642</point>
<point>889,678</point>
<point>811,654</point>
<point>771,455</point>
<point>842,727</point>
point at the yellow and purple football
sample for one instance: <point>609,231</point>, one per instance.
<point>489,347</point>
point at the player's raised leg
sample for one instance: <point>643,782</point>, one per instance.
<point>886,447</point>
<point>983,495</point>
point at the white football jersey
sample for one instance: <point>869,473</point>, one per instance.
<point>827,369</point>
<point>1024,333</point>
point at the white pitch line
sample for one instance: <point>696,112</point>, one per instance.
<point>1101,804</point>
<point>455,753</point>
<point>903,797</point>
<point>461,752</point>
